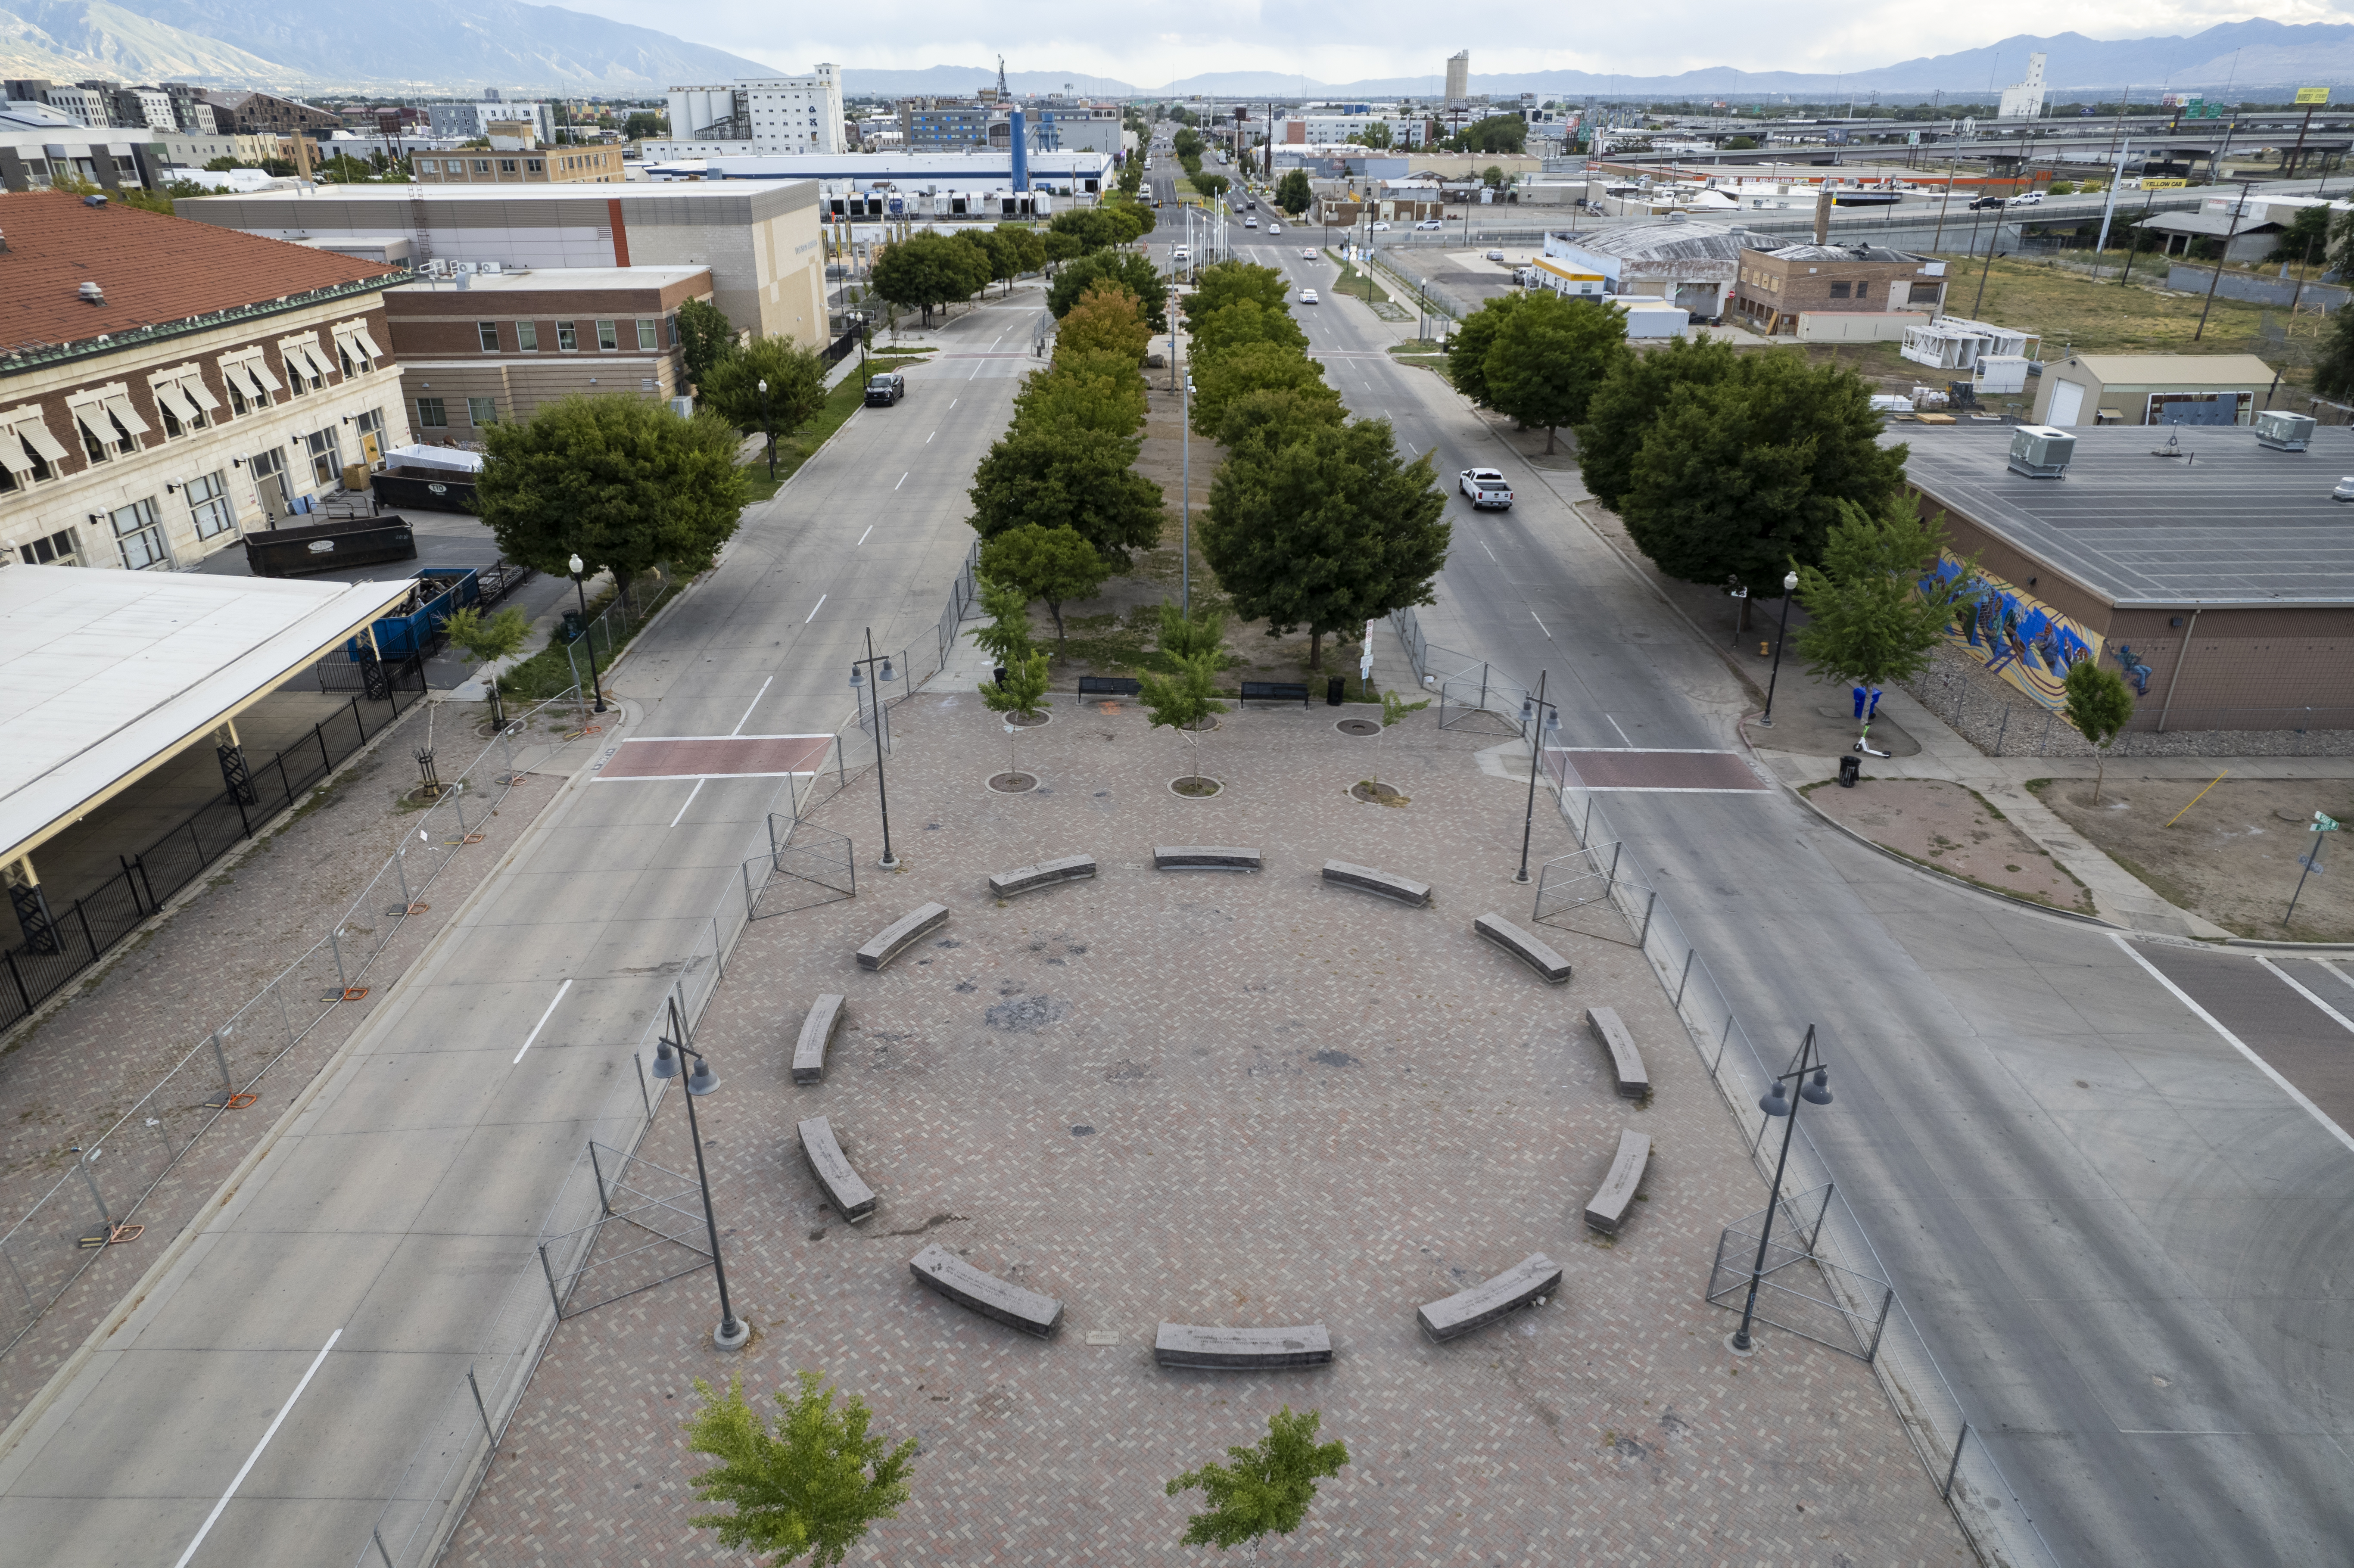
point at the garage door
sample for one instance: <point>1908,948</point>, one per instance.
<point>2067,402</point>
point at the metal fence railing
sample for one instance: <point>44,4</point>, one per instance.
<point>964,595</point>
<point>2005,723</point>
<point>613,626</point>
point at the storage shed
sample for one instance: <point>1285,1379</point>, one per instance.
<point>2153,389</point>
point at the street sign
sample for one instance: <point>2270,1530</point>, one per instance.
<point>2313,95</point>
<point>2323,823</point>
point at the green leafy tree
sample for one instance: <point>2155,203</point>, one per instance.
<point>1252,368</point>
<point>1378,133</point>
<point>1467,350</point>
<point>1627,403</point>
<point>812,1484</point>
<point>1052,563</point>
<point>2333,372</point>
<point>1006,638</point>
<point>2306,235</point>
<point>1021,694</point>
<point>1493,176</point>
<point>1186,145</point>
<point>1293,193</point>
<point>1104,321</point>
<point>929,270</point>
<point>1182,700</point>
<point>487,638</point>
<point>1548,357</point>
<point>1061,248</point>
<point>1182,637</point>
<point>1496,133</point>
<point>1268,1486</point>
<point>795,378</point>
<point>1209,185</point>
<point>1095,228</point>
<point>1326,530</point>
<point>1124,268</point>
<point>1100,391</point>
<point>1734,481</point>
<point>993,256</point>
<point>1245,321</point>
<point>1132,177</point>
<point>1026,246</point>
<point>1876,608</point>
<point>2099,704</point>
<point>1222,283</point>
<point>644,122</point>
<point>706,337</point>
<point>1062,477</point>
<point>1271,418</point>
<point>624,482</point>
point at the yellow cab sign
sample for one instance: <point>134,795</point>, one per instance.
<point>2164,185</point>
<point>2313,95</point>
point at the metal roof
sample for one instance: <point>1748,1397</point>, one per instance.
<point>2171,369</point>
<point>2227,523</point>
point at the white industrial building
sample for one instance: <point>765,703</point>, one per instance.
<point>2024,99</point>
<point>918,185</point>
<point>781,115</point>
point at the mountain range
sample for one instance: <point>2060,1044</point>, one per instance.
<point>432,47</point>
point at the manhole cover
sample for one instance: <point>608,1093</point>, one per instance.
<point>1357,726</point>
<point>1377,793</point>
<point>1012,783</point>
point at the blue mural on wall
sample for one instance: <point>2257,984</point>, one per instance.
<point>2013,633</point>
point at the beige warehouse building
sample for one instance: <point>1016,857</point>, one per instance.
<point>2152,389</point>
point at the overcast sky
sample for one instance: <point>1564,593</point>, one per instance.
<point>1150,42</point>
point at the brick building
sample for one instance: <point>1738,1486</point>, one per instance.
<point>479,349</point>
<point>521,165</point>
<point>266,113</point>
<point>1775,287</point>
<point>166,386</point>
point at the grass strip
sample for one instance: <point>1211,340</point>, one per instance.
<point>798,447</point>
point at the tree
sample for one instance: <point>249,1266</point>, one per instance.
<point>1496,133</point>
<point>1252,368</point>
<point>1054,563</point>
<point>1123,268</point>
<point>1734,481</point>
<point>2099,704</point>
<point>1097,391</point>
<point>1181,701</point>
<point>795,378</point>
<point>644,122</point>
<point>2333,372</point>
<point>993,256</point>
<point>622,480</point>
<point>813,1484</point>
<point>1209,185</point>
<point>1006,638</point>
<point>2306,235</point>
<point>1467,350</point>
<point>1625,407</point>
<point>1095,228</point>
<point>1104,321</point>
<point>1061,248</point>
<point>1245,321</point>
<point>1549,356</point>
<point>1021,694</point>
<point>1025,245</point>
<point>1378,133</point>
<point>486,640</point>
<point>929,270</point>
<point>1325,531</point>
<point>1185,638</point>
<point>1266,1488</point>
<point>1876,608</point>
<point>1293,193</point>
<point>706,337</point>
<point>1061,477</point>
<point>1222,283</point>
<point>1271,418</point>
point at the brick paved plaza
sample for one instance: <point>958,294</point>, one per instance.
<point>1223,1099</point>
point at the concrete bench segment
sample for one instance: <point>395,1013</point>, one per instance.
<point>1045,873</point>
<point>1524,946</point>
<point>1534,1276</point>
<point>1607,1208</point>
<point>1634,1080</point>
<point>1204,857</point>
<point>901,934</point>
<point>844,1189</point>
<point>1381,883</point>
<point>818,1030</point>
<point>938,1268</point>
<point>1241,1350</point>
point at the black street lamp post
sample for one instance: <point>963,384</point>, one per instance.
<point>1789,587</point>
<point>1816,1091</point>
<point>768,426</point>
<point>732,1333</point>
<point>596,682</point>
<point>1532,708</point>
<point>858,668</point>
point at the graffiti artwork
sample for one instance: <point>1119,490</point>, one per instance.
<point>2015,635</point>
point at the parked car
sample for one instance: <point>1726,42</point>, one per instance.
<point>1486,487</point>
<point>1427,223</point>
<point>1985,203</point>
<point>1495,256</point>
<point>885,389</point>
<point>1307,296</point>
<point>1381,228</point>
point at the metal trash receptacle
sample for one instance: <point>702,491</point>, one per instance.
<point>1850,768</point>
<point>1333,690</point>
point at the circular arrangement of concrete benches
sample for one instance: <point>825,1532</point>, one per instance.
<point>1382,884</point>
<point>1608,1205</point>
<point>1045,873</point>
<point>960,1282</point>
<point>1241,1350</point>
<point>1204,857</point>
<point>1634,1080</point>
<point>1534,1276</point>
<point>850,1195</point>
<point>818,1030</point>
<point>901,934</point>
<point>1524,946</point>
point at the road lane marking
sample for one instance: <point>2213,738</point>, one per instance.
<point>928,440</point>
<point>903,478</point>
<point>1541,625</point>
<point>2295,985</point>
<point>542,1023</point>
<point>2267,1068</point>
<point>1622,734</point>
<point>953,402</point>
<point>861,538</point>
<point>1491,554</point>
<point>674,822</point>
<point>756,703</point>
<point>813,609</point>
<point>251,1459</point>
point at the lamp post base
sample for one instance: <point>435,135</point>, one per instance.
<point>1740,1350</point>
<point>889,863</point>
<point>722,1340</point>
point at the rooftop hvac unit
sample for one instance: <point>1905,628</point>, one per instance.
<point>2040,452</point>
<point>2283,431</point>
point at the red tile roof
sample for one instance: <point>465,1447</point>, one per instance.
<point>153,269</point>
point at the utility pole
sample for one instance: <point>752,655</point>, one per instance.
<point>2217,281</point>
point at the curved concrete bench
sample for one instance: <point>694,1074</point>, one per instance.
<point>1524,946</point>
<point>818,1030</point>
<point>843,1187</point>
<point>901,934</point>
<point>1534,1276</point>
<point>1609,1206</point>
<point>960,1282</point>
<point>1204,857</point>
<point>1634,1081</point>
<point>1241,1350</point>
<point>1045,873</point>
<point>1365,879</point>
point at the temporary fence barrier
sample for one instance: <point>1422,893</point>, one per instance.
<point>611,628</point>
<point>1848,1313</point>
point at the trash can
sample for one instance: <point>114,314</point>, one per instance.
<point>572,626</point>
<point>1334,688</point>
<point>1850,767</point>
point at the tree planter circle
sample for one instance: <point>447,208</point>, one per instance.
<point>1194,787</point>
<point>1030,720</point>
<point>1012,783</point>
<point>1203,725</point>
<point>1357,726</point>
<point>1375,793</point>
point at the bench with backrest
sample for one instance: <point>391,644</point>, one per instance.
<point>1241,1350</point>
<point>1382,884</point>
<point>843,1188</point>
<point>1045,873</point>
<point>901,934</point>
<point>1110,686</point>
<point>1519,1285</point>
<point>1607,1207</point>
<point>1275,692</point>
<point>818,1030</point>
<point>942,1270</point>
<point>1634,1079</point>
<point>1524,946</point>
<point>1204,857</point>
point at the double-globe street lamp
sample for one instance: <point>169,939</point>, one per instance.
<point>1816,1090</point>
<point>596,682</point>
<point>858,668</point>
<point>732,1333</point>
<point>1789,587</point>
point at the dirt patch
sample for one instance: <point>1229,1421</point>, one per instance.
<point>1955,830</point>
<point>2233,856</point>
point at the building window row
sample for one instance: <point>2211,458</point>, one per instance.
<point>647,330</point>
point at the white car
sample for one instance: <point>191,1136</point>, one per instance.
<point>1427,223</point>
<point>1381,228</point>
<point>1307,256</point>
<point>1275,229</point>
<point>2345,490</point>
<point>1180,253</point>
<point>1250,223</point>
<point>1307,296</point>
<point>1486,487</point>
<point>2030,198</point>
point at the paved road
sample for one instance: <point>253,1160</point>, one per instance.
<point>2119,1234</point>
<point>392,1216</point>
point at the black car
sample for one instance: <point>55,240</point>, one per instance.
<point>883,390</point>
<point>1986,203</point>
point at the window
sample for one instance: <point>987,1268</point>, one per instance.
<point>326,457</point>
<point>608,337</point>
<point>649,334</point>
<point>1922,294</point>
<point>208,506</point>
<point>60,548</point>
<point>488,332</point>
<point>139,533</point>
<point>28,453</point>
<point>428,165</point>
<point>104,423</point>
<point>507,165</point>
<point>1839,290</point>
<point>567,340</point>
<point>431,415</point>
<point>482,410</point>
<point>534,166</point>
<point>481,165</point>
<point>527,337</point>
